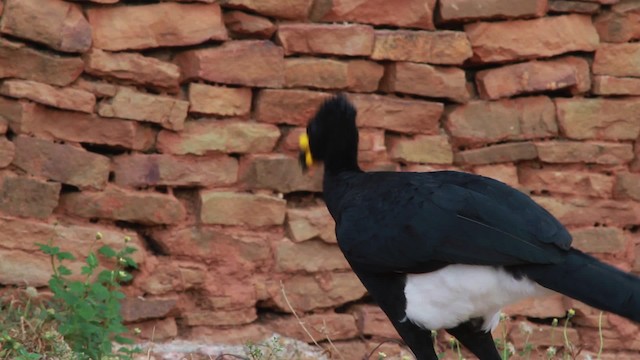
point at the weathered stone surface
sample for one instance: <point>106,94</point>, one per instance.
<point>587,212</point>
<point>7,152</point>
<point>26,118</point>
<point>155,25</point>
<point>463,10</point>
<point>306,293</point>
<point>230,208</point>
<point>61,162</point>
<point>138,308</point>
<point>539,307</point>
<point>607,119</point>
<point>617,60</point>
<point>220,317</point>
<point>528,77</point>
<point>627,186</point>
<point>481,122</point>
<point>434,47</point>
<point>168,112</point>
<point>27,197</point>
<point>171,275</point>
<point>544,37</point>
<point>562,181</point>
<point>55,23</point>
<point>219,100</point>
<point>315,73</point>
<point>249,62</point>
<point>611,85</point>
<point>20,236</point>
<point>293,107</point>
<point>373,321</point>
<point>364,75</point>
<point>619,24</point>
<point>158,329</point>
<point>498,153</point>
<point>228,136</point>
<point>311,222</point>
<point>426,80</point>
<point>564,6</point>
<point>401,115</point>
<point>331,39</point>
<point>401,13</point>
<point>599,240</point>
<point>586,152</point>
<point>230,252</point>
<point>133,68</point>
<point>19,61</point>
<point>309,256</point>
<point>432,149</point>
<point>278,172</point>
<point>159,169</point>
<point>507,173</point>
<point>243,25</point>
<point>99,88</point>
<point>290,9</point>
<point>63,98</point>
<point>149,208</point>
<point>330,325</point>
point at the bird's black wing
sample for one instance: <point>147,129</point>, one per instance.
<point>411,222</point>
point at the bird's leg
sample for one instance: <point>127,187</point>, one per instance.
<point>478,341</point>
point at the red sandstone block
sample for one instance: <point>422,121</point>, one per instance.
<point>20,61</point>
<point>292,10</point>
<point>619,24</point>
<point>434,47</point>
<point>27,197</point>
<point>231,208</point>
<point>250,63</point>
<point>278,172</point>
<point>293,107</point>
<point>562,181</point>
<point>364,75</point>
<point>588,212</point>
<point>627,186</point>
<point>426,80</point>
<point>55,23</point>
<point>133,68</point>
<point>532,77</point>
<point>509,152</point>
<point>617,60</point>
<point>429,149</point>
<point>218,100</point>
<point>526,39</point>
<point>61,162</point>
<point>332,39</point>
<point>309,256</point>
<point>330,325</point>
<point>7,152</point>
<point>465,10</point>
<point>219,136</point>
<point>611,85</point>
<point>400,13</point>
<point>482,122</point>
<point>602,119</point>
<point>114,203</point>
<point>315,73</point>
<point>159,169</point>
<point>563,6</point>
<point>507,173</point>
<point>155,25</point>
<point>585,152</point>
<point>63,98</point>
<point>599,240</point>
<point>243,25</point>
<point>138,308</point>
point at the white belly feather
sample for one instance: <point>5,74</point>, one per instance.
<point>454,294</point>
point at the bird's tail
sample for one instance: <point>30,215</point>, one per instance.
<point>585,278</point>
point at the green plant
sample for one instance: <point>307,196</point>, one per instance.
<point>87,311</point>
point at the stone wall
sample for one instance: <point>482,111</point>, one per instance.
<point>176,123</point>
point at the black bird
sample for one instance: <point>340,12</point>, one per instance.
<point>445,249</point>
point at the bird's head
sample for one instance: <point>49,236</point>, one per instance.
<point>331,136</point>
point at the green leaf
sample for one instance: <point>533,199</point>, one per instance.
<point>118,295</point>
<point>92,260</point>
<point>98,292</point>
<point>65,256</point>
<point>44,248</point>
<point>64,271</point>
<point>130,262</point>
<point>123,340</point>
<point>77,288</point>
<point>86,270</point>
<point>107,251</point>
<point>85,311</point>
<point>128,250</point>
<point>106,276</point>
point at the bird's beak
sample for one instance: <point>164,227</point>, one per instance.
<point>305,158</point>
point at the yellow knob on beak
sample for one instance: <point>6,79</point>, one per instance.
<point>305,150</point>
